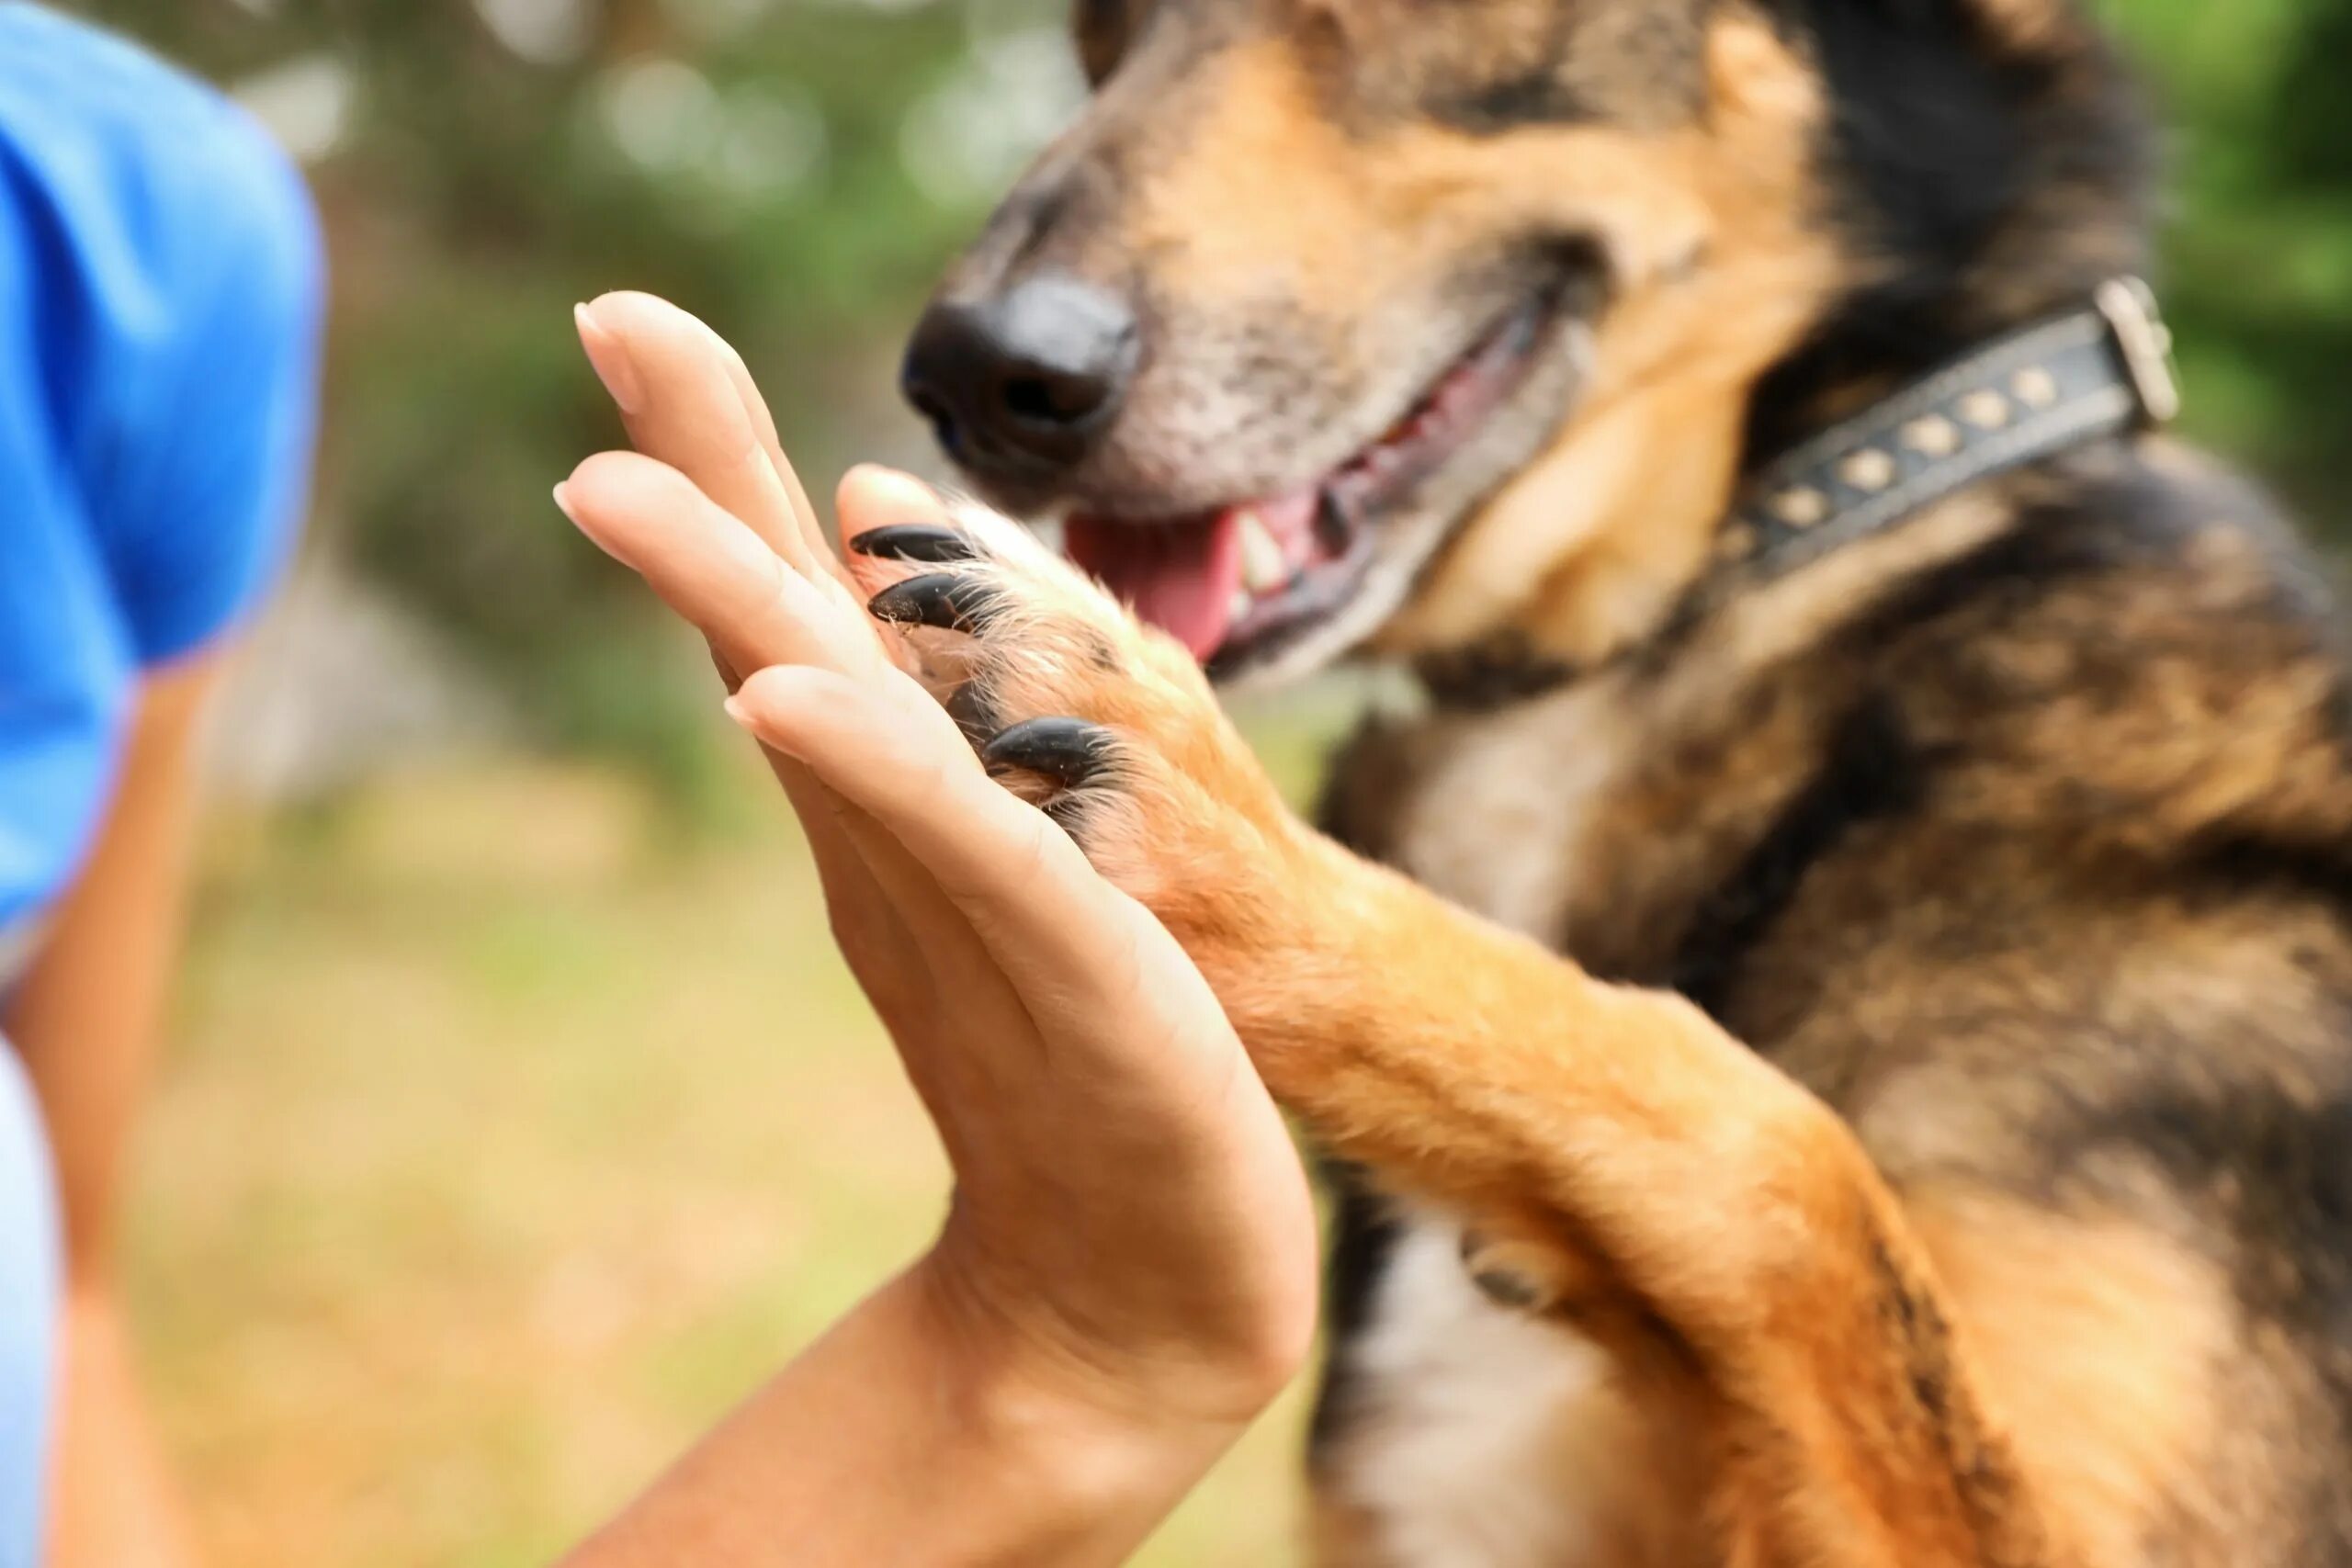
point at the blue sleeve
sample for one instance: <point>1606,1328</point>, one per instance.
<point>176,258</point>
<point>207,516</point>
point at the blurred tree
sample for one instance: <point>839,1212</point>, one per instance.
<point>482,166</point>
<point>2260,242</point>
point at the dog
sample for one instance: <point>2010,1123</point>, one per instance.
<point>1832,1008</point>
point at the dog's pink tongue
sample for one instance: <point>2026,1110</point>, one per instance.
<point>1181,577</point>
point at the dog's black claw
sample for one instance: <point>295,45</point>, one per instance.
<point>915,541</point>
<point>1068,751</point>
<point>939,599</point>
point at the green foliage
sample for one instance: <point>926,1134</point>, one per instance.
<point>2259,276</point>
<point>747,160</point>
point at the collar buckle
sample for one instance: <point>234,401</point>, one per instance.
<point>2144,344</point>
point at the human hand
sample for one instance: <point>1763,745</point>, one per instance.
<point>1131,1230</point>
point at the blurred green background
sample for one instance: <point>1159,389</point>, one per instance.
<point>519,1116</point>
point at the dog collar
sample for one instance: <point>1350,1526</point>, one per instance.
<point>2040,391</point>
<point>2091,373</point>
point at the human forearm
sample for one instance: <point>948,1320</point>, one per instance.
<point>913,1433</point>
<point>85,1017</point>
<point>85,1020</point>
<point>114,1505</point>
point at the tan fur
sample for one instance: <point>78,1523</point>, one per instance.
<point>1523,815</point>
<point>1623,505</point>
<point>2103,1343</point>
<point>2029,23</point>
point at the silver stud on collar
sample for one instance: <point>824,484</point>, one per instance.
<point>1932,435</point>
<point>1869,470</point>
<point>1985,408</point>
<point>2034,386</point>
<point>1801,507</point>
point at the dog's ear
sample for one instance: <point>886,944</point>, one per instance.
<point>1939,118</point>
<point>1927,118</point>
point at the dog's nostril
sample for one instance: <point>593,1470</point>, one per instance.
<point>1052,399</point>
<point>1025,381</point>
<point>1031,399</point>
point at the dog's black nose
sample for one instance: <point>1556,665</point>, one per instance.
<point>1020,384</point>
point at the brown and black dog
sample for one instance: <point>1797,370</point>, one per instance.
<point>1855,1070</point>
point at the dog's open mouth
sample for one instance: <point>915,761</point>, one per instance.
<point>1229,582</point>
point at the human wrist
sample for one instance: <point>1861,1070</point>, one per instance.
<point>1123,1349</point>
<point>1080,1458</point>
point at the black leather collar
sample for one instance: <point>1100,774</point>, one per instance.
<point>2039,391</point>
<point>2059,383</point>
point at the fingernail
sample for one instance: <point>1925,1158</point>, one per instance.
<point>608,358</point>
<point>737,711</point>
<point>563,505</point>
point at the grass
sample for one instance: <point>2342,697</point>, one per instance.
<point>505,1142</point>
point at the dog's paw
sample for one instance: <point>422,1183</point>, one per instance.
<point>1104,723</point>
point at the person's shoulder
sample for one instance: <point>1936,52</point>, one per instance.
<point>141,162</point>
<point>161,282</point>
<point>60,70</point>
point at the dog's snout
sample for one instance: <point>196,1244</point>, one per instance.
<point>1020,384</point>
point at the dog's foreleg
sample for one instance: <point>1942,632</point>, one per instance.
<point>1622,1126</point>
<point>1566,1117</point>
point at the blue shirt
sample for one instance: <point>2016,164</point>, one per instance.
<point>160,281</point>
<point>159,292</point>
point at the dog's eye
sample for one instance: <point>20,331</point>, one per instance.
<point>1101,28</point>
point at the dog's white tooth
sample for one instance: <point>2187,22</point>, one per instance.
<point>1263,567</point>
<point>1241,604</point>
